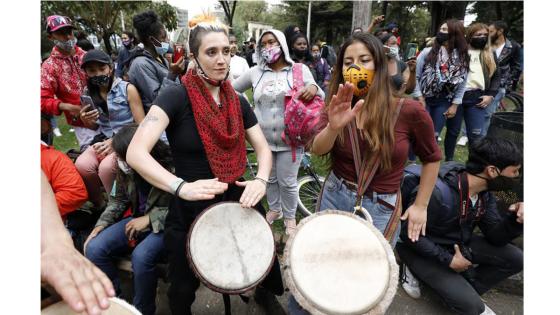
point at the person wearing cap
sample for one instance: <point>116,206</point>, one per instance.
<point>62,79</point>
<point>116,103</point>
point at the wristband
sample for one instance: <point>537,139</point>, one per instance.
<point>175,184</point>
<point>179,188</point>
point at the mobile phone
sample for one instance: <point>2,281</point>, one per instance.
<point>410,51</point>
<point>86,100</point>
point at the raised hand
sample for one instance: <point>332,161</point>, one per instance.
<point>340,109</point>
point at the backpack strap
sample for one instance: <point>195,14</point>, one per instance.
<point>297,73</point>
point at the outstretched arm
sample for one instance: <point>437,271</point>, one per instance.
<point>80,283</point>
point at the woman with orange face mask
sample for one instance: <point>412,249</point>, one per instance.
<point>366,124</point>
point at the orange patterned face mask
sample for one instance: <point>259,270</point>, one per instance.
<point>360,77</point>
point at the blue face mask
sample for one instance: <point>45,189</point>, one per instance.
<point>163,49</point>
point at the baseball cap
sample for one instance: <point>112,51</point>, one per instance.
<point>96,56</point>
<point>56,22</point>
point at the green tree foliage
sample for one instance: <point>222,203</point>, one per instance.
<point>412,18</point>
<point>102,18</point>
<point>248,11</point>
<point>510,12</point>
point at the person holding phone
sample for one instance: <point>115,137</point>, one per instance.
<point>108,104</point>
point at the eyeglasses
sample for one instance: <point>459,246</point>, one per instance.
<point>55,21</point>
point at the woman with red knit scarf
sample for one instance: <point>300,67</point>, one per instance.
<point>207,124</point>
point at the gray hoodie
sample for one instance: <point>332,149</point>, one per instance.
<point>269,91</point>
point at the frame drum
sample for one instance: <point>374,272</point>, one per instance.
<point>230,248</point>
<point>337,263</point>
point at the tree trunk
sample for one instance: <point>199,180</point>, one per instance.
<point>443,10</point>
<point>498,11</point>
<point>107,42</point>
<point>361,14</point>
<point>384,8</point>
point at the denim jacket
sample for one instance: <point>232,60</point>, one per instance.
<point>119,113</point>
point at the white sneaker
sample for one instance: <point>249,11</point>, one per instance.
<point>487,311</point>
<point>410,284</point>
<point>71,130</point>
<point>463,141</point>
<point>57,132</point>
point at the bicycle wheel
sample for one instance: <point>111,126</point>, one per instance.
<point>308,192</point>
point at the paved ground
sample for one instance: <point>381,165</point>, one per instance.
<point>210,303</point>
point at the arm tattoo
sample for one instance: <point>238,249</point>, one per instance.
<point>148,119</point>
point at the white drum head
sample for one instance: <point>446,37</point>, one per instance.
<point>118,307</point>
<point>231,247</point>
<point>338,264</point>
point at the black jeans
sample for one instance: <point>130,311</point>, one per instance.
<point>462,296</point>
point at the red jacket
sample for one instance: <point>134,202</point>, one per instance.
<point>62,80</point>
<point>69,188</point>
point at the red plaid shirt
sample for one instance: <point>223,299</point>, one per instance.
<point>62,80</point>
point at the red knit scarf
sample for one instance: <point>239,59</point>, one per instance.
<point>221,129</point>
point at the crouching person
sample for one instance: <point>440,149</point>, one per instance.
<point>458,264</point>
<point>141,233</point>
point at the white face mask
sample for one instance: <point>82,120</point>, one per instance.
<point>124,166</point>
<point>394,52</point>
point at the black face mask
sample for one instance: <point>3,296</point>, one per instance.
<point>442,37</point>
<point>300,53</point>
<point>502,183</point>
<point>100,80</point>
<point>479,42</point>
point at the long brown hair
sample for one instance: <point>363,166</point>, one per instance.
<point>456,40</point>
<point>487,54</point>
<point>377,108</point>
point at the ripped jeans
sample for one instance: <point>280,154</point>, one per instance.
<point>474,121</point>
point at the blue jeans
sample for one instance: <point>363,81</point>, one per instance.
<point>491,109</point>
<point>112,242</point>
<point>436,107</point>
<point>337,196</point>
<point>474,122</point>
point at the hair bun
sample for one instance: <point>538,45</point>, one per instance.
<point>204,18</point>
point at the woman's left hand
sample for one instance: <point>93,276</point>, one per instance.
<point>136,225</point>
<point>486,100</point>
<point>417,217</point>
<point>253,192</point>
<point>308,93</point>
<point>104,148</point>
<point>451,111</point>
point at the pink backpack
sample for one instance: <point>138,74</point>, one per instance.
<point>300,118</point>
